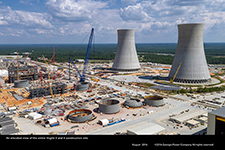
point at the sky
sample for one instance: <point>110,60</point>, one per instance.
<point>70,21</point>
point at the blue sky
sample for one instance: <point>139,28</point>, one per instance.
<point>69,21</point>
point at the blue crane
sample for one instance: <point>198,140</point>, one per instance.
<point>82,76</point>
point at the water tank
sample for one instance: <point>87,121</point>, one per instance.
<point>47,109</point>
<point>154,100</point>
<point>82,86</point>
<point>109,106</point>
<point>133,102</point>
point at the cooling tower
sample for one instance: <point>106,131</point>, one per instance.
<point>189,64</point>
<point>126,56</point>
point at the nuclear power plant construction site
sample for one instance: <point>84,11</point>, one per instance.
<point>124,96</point>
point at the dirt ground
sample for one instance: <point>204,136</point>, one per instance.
<point>6,97</point>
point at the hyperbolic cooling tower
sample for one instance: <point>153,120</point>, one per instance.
<point>190,55</point>
<point>126,56</point>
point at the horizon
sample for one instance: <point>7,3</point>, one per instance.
<point>98,43</point>
<point>69,21</point>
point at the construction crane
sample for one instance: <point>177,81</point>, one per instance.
<point>18,63</point>
<point>171,80</point>
<point>50,85</point>
<point>82,76</point>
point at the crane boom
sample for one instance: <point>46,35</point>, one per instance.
<point>50,85</point>
<point>171,80</point>
<point>75,67</point>
<point>82,77</point>
<point>87,55</point>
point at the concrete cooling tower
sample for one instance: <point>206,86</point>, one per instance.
<point>189,64</point>
<point>126,56</point>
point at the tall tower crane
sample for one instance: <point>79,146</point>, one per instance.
<point>82,76</point>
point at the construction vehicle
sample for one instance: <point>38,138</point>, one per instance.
<point>82,76</point>
<point>171,80</point>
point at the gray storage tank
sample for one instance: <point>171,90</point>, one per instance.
<point>109,106</point>
<point>126,58</point>
<point>133,102</point>
<point>82,86</point>
<point>154,100</point>
<point>190,55</point>
<point>48,109</point>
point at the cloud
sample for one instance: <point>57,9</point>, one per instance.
<point>71,10</point>
<point>134,12</point>
<point>24,18</point>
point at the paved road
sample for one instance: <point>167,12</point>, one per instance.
<point>154,118</point>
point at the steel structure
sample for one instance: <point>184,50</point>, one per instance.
<point>190,51</point>
<point>79,115</point>
<point>126,58</point>
<point>25,72</point>
<point>57,88</point>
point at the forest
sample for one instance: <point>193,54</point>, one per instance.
<point>215,52</point>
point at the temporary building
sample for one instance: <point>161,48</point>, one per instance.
<point>146,129</point>
<point>104,122</point>
<point>34,115</point>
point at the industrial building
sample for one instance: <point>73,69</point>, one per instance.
<point>189,64</point>
<point>126,58</point>
<point>216,122</point>
<point>7,126</point>
<point>146,129</point>
<point>187,116</point>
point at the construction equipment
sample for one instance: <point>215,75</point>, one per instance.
<point>50,84</point>
<point>171,80</point>
<point>18,76</point>
<point>82,76</point>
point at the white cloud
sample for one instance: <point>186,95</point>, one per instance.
<point>25,18</point>
<point>71,10</point>
<point>134,12</point>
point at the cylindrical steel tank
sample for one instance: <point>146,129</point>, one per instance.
<point>133,102</point>
<point>154,100</point>
<point>79,115</point>
<point>21,83</point>
<point>47,109</point>
<point>109,106</point>
<point>82,86</point>
<point>126,56</point>
<point>190,55</point>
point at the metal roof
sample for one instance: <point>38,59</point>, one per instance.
<point>188,115</point>
<point>146,129</point>
<point>219,112</point>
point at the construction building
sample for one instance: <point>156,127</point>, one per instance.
<point>57,88</point>
<point>25,72</point>
<point>189,64</point>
